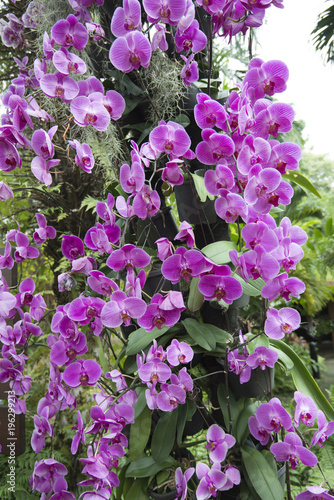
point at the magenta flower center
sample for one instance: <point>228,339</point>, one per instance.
<point>135,59</point>
<point>164,12</point>
<point>11,160</point>
<point>280,166</point>
<point>217,154</point>
<point>269,86</point>
<point>59,91</point>
<point>220,293</point>
<point>84,379</point>
<point>129,26</point>
<point>27,298</point>
<point>306,417</point>
<point>90,118</point>
<point>273,199</point>
<point>69,39</point>
<point>91,312</point>
<point>73,67</point>
<point>286,328</point>
<point>275,423</point>
<point>273,129</point>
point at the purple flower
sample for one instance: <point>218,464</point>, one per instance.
<point>95,31</point>
<point>79,435</point>
<point>314,493</point>
<point>6,261</point>
<point>97,239</point>
<point>101,284</point>
<point>258,431</point>
<point>166,11</point>
<point>66,62</point>
<point>159,38</point>
<point>82,372</point>
<point>186,234</point>
<point>128,257</point>
<point>272,416</point>
<point>87,112</point>
<point>165,248</point>
<point>283,286</point>
<point>306,409</point>
<point>211,480</point>
<point>179,352</point>
<point>126,18</point>
<point>43,232</point>
<point>45,475</point>
<point>69,31</point>
<point>183,264</point>
<point>208,112</point>
<point>84,157</point>
<point>41,142</point>
<point>230,206</point>
<point>170,397</point>
<point>191,38</point>
<point>189,72</point>
<point>271,118</point>
<point>284,156</point>
<point>280,322</point>
<point>59,85</point>
<point>156,316</point>
<point>146,202</point>
<point>132,178</point>
<point>325,429</point>
<point>5,191</point>
<point>172,173</point>
<point>154,371</point>
<point>9,156</point>
<point>40,168</point>
<point>170,138</point>
<point>112,101</point>
<point>42,427</point>
<point>262,357</point>
<point>265,78</point>
<point>131,51</point>
<point>292,449</point>
<point>72,247</point>
<point>121,309</point>
<point>181,481</point>
<point>214,148</point>
<point>220,286</point>
<point>220,178</point>
<point>218,443</point>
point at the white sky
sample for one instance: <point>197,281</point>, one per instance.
<point>286,35</point>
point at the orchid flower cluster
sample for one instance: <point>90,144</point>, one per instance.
<point>246,163</point>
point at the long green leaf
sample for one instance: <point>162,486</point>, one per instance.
<point>219,251</point>
<point>302,181</point>
<point>252,288</point>
<point>147,466</point>
<point>200,333</point>
<point>139,433</point>
<point>261,475</point>
<point>164,436</point>
<point>200,188</point>
<point>140,339</point>
<point>304,381</point>
<point>196,298</point>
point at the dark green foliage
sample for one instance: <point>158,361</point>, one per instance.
<point>324,33</point>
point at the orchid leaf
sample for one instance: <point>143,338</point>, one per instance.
<point>219,251</point>
<point>302,181</point>
<point>140,433</point>
<point>241,425</point>
<point>147,466</point>
<point>138,490</point>
<point>140,339</point>
<point>261,476</point>
<point>164,436</point>
<point>304,381</point>
<point>200,188</point>
<point>252,288</point>
<point>196,298</point>
<point>200,333</point>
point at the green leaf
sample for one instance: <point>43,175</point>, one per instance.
<point>196,298</point>
<point>261,475</point>
<point>283,359</point>
<point>102,357</point>
<point>260,341</point>
<point>329,227</point>
<point>139,339</point>
<point>252,288</point>
<point>147,466</point>
<point>182,119</point>
<point>164,436</point>
<point>241,426</point>
<point>138,490</point>
<point>302,181</point>
<point>304,381</point>
<point>224,402</point>
<point>139,433</point>
<point>141,401</point>
<point>200,188</point>
<point>219,251</point>
<point>200,333</point>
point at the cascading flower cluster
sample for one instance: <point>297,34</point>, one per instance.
<point>239,141</point>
